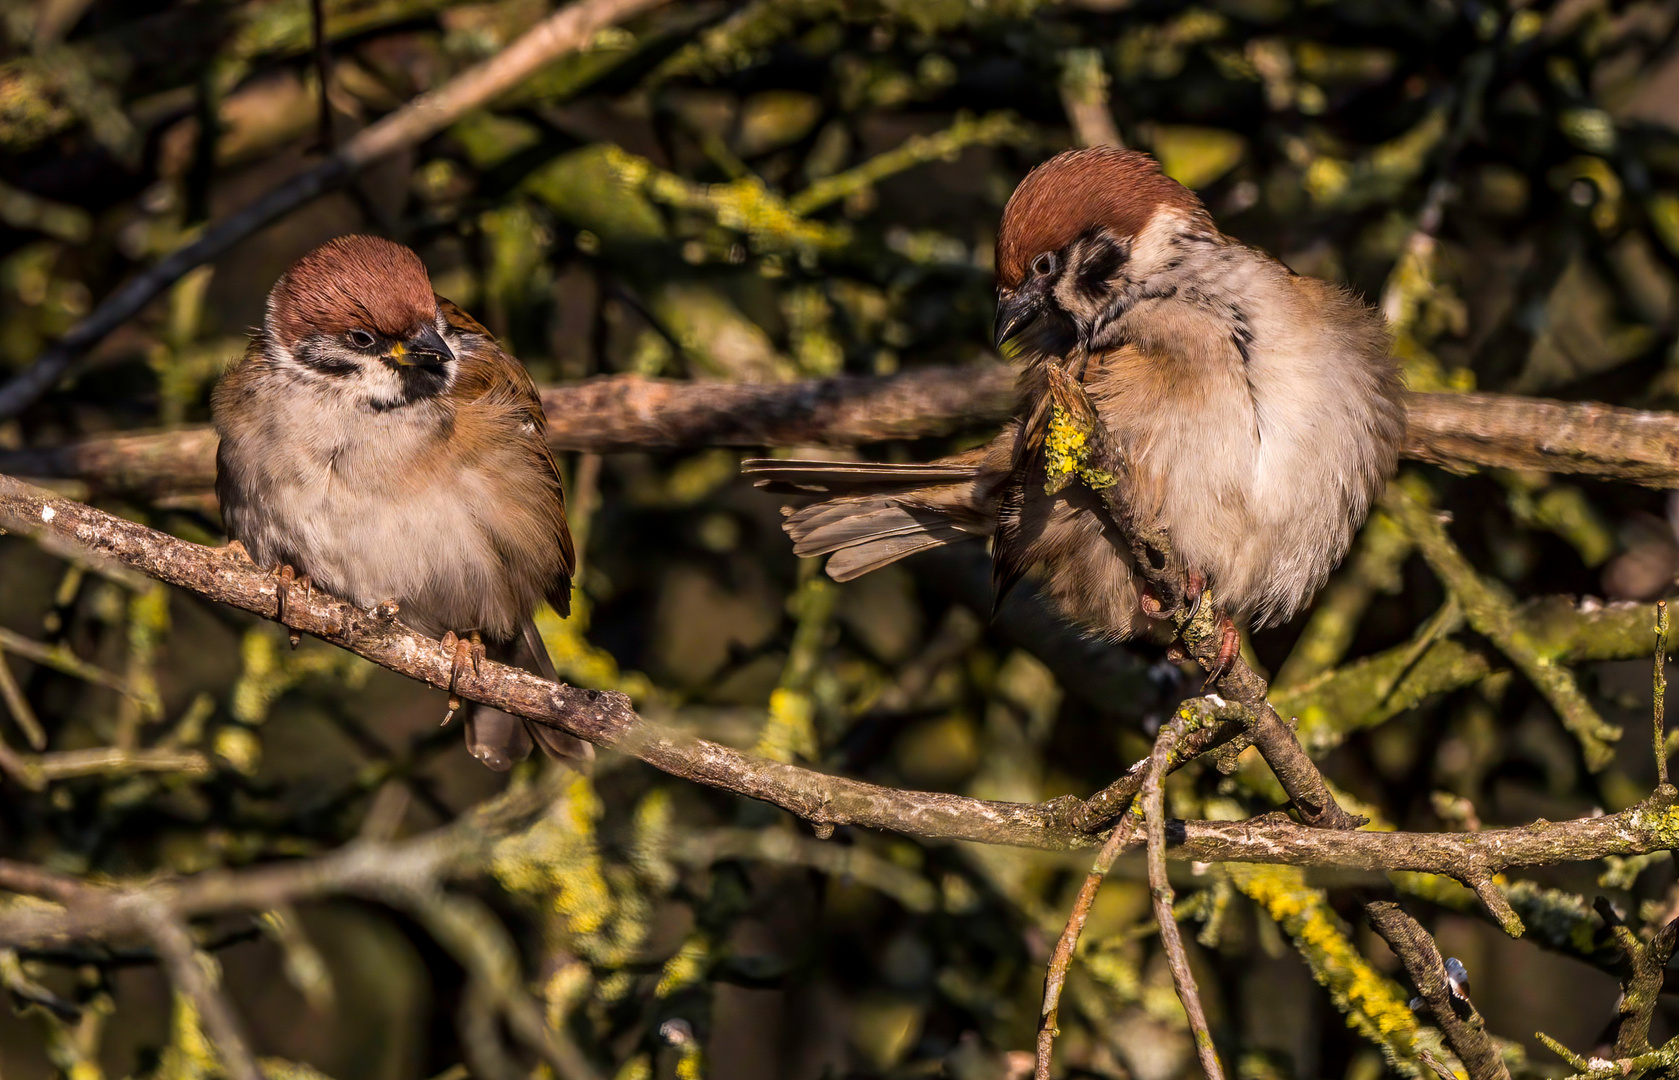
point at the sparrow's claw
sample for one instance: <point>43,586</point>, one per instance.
<point>1195,587</point>
<point>286,578</point>
<point>1229,647</point>
<point>464,653</point>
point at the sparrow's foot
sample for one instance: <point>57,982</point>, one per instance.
<point>465,652</point>
<point>286,580</point>
<point>1229,647</point>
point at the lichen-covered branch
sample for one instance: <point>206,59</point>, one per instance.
<point>1493,615</point>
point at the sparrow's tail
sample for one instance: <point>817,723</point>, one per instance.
<point>499,740</point>
<point>878,514</point>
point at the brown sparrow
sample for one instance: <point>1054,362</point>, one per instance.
<point>1260,410</point>
<point>376,439</point>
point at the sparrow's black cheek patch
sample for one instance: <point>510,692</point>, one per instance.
<point>1099,266</point>
<point>423,382</point>
<point>414,383</point>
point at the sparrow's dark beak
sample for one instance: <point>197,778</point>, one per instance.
<point>1015,312</point>
<point>425,348</point>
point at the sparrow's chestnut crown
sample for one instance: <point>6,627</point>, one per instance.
<point>354,285</point>
<point>1078,191</point>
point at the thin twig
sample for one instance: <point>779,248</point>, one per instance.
<point>18,704</point>
<point>181,959</point>
<point>61,659</point>
<point>323,73</point>
<point>1084,98</point>
<point>1493,615</point>
<point>1659,709</point>
<point>1160,890</point>
<point>567,30</point>
<point>1055,977</point>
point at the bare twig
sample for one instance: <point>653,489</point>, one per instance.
<point>1055,977</point>
<point>61,659</point>
<point>323,74</point>
<point>1659,707</point>
<point>18,704</point>
<point>1202,737</point>
<point>567,30</point>
<point>1084,97</point>
<point>477,940</point>
<point>186,971</point>
<point>1160,890</point>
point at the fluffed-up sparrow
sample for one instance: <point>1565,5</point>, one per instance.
<point>377,441</point>
<point>1261,411</point>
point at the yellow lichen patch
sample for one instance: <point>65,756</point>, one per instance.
<point>1372,1004</point>
<point>685,968</point>
<point>578,661</point>
<point>789,732</point>
<point>557,858</point>
<point>1067,455</point>
<point>1662,822</point>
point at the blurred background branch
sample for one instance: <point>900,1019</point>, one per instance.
<point>710,227</point>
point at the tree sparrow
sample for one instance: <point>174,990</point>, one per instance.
<point>376,439</point>
<point>1260,410</point>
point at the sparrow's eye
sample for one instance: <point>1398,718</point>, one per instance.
<point>361,339</point>
<point>1044,264</point>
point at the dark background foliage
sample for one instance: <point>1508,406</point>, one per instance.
<point>694,197</point>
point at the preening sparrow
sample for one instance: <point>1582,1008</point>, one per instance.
<point>376,439</point>
<point>1261,410</point>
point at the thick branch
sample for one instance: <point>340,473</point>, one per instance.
<point>628,412</point>
<point>610,413</point>
<point>1497,431</point>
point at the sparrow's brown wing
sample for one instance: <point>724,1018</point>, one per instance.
<point>489,379</point>
<point>489,376</point>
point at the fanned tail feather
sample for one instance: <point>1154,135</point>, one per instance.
<point>880,513</point>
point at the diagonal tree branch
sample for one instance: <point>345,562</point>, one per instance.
<point>567,30</point>
<point>608,719</point>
